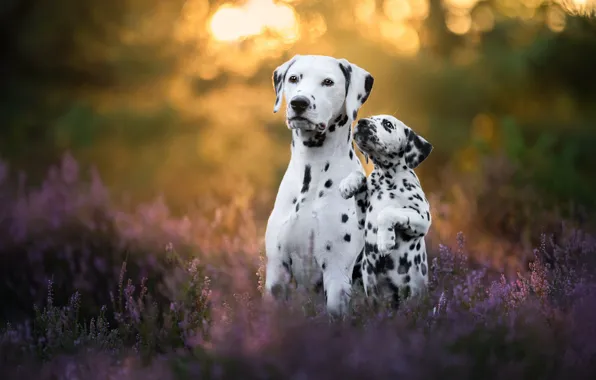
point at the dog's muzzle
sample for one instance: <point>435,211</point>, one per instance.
<point>299,104</point>
<point>299,122</point>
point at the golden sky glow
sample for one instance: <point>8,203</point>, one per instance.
<point>232,23</point>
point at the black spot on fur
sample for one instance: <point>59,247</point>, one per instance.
<point>344,218</point>
<point>417,259</point>
<point>384,264</point>
<point>306,180</point>
<point>423,269</point>
<point>368,84</point>
<point>328,183</point>
<point>347,237</point>
<point>346,70</point>
<point>321,193</point>
<point>294,200</point>
<point>327,166</point>
<point>344,119</point>
<point>316,141</point>
<point>404,265</point>
<point>279,78</point>
<point>357,271</point>
<point>328,247</point>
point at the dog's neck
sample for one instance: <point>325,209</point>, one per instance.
<point>335,141</point>
<point>389,167</point>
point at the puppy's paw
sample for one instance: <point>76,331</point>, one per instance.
<point>388,223</point>
<point>386,241</point>
<point>352,184</point>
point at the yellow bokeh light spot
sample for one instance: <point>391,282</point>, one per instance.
<point>397,10</point>
<point>483,18</point>
<point>232,23</point>
<point>458,23</point>
<point>419,8</point>
<point>365,10</point>
<point>404,39</point>
<point>461,4</point>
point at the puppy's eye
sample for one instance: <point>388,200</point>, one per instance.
<point>387,125</point>
<point>293,79</point>
<point>328,82</point>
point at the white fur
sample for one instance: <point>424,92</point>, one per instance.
<point>307,225</point>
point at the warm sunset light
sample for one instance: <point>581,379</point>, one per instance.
<point>582,7</point>
<point>233,23</point>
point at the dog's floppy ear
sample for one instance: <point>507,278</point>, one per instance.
<point>359,84</point>
<point>279,78</point>
<point>417,149</point>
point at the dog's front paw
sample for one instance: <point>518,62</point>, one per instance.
<point>350,185</point>
<point>386,241</point>
<point>345,189</point>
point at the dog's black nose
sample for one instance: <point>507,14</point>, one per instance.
<point>300,103</point>
<point>363,125</point>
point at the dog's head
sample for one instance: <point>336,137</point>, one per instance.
<point>320,89</point>
<point>390,143</point>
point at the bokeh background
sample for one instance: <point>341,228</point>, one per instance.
<point>174,99</point>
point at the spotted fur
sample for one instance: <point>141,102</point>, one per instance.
<point>311,224</point>
<point>394,263</point>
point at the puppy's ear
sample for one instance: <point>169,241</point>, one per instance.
<point>279,79</point>
<point>417,149</point>
<point>359,84</point>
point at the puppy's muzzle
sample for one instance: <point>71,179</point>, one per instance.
<point>364,129</point>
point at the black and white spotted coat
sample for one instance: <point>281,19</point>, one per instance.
<point>393,264</point>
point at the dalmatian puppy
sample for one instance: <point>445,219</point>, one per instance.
<point>394,262</point>
<point>310,221</point>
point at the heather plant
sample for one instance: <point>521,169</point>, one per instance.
<point>181,299</point>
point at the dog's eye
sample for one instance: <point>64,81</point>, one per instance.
<point>293,79</point>
<point>387,125</point>
<point>328,82</point>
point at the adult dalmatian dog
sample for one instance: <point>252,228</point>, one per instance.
<point>394,262</point>
<point>311,222</point>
